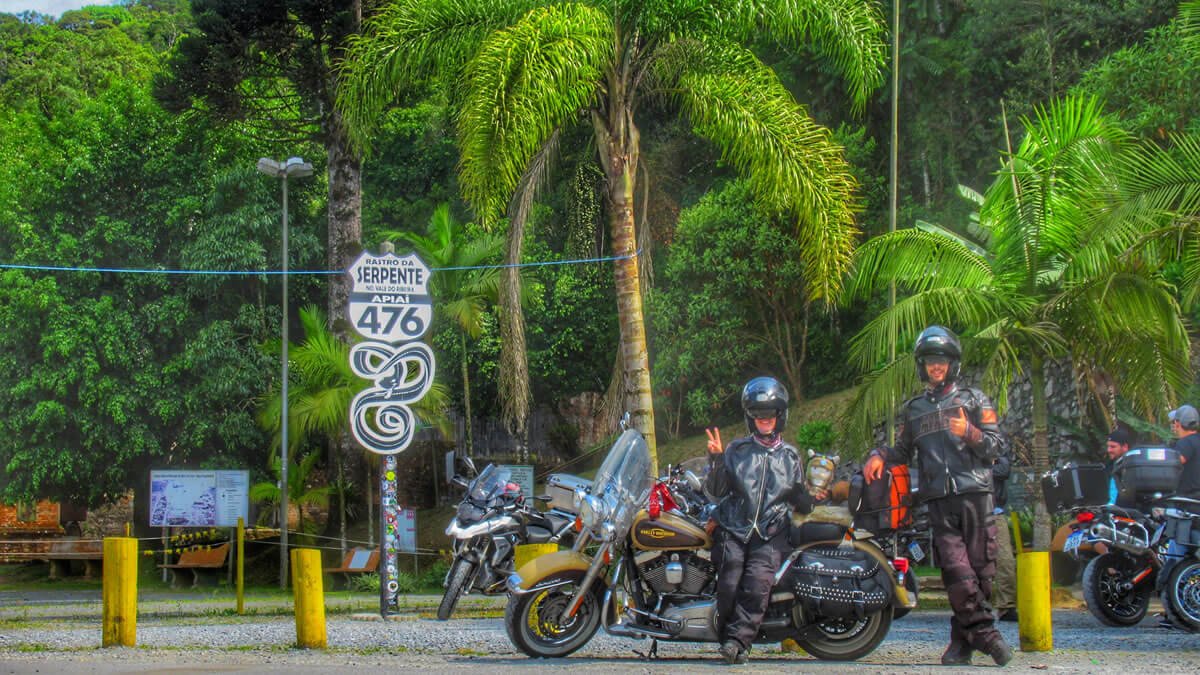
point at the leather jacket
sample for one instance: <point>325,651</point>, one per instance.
<point>949,465</point>
<point>758,486</point>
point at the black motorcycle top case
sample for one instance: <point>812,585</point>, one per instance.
<point>1071,486</point>
<point>1142,472</point>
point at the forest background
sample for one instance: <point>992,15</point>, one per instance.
<point>115,154</point>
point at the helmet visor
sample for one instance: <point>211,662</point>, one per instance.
<point>762,413</point>
<point>937,360</point>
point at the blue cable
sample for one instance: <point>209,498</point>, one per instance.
<point>120,270</point>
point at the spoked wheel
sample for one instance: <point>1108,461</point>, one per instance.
<point>846,639</point>
<point>1110,593</point>
<point>1181,596</point>
<point>456,583</point>
<point>532,619</point>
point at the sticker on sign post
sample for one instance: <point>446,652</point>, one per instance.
<point>389,300</point>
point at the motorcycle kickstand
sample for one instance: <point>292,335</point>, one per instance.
<point>651,654</point>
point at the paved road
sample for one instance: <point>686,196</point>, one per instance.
<point>67,640</point>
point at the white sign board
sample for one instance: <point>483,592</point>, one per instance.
<point>406,531</point>
<point>389,300</point>
<point>522,474</point>
<point>199,498</point>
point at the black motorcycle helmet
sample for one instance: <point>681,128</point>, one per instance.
<point>937,341</point>
<point>764,397</point>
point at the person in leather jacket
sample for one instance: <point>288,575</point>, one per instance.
<point>758,479</point>
<point>953,434</point>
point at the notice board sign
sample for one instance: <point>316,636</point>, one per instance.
<point>199,498</point>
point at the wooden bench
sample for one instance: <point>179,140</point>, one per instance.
<point>65,552</point>
<point>202,563</point>
<point>357,561</point>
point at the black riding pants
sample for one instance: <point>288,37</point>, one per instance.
<point>745,575</point>
<point>964,536</point>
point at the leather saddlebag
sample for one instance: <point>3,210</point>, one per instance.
<point>840,583</point>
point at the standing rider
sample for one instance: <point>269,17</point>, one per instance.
<point>758,479</point>
<point>952,432</point>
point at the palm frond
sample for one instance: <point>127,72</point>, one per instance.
<point>407,41</point>
<point>849,33</point>
<point>878,396</point>
<point>918,261</point>
<point>793,164</point>
<point>523,83</point>
<point>961,309</point>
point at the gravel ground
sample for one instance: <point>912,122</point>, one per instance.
<point>176,635</point>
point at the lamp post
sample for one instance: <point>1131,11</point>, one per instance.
<point>294,167</point>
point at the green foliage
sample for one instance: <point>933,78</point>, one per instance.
<point>819,436</point>
<point>731,304</point>
<point>1149,84</point>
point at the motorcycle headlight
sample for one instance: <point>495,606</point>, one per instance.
<point>591,511</point>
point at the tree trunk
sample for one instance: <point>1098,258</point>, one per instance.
<point>1041,451</point>
<point>618,144</point>
<point>467,395</point>
<point>345,225</point>
<point>514,364</point>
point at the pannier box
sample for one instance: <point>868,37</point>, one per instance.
<point>1075,485</point>
<point>1144,472</point>
<point>560,487</point>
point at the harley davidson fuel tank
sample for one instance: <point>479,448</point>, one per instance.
<point>669,531</point>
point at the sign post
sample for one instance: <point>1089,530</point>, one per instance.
<point>390,307</point>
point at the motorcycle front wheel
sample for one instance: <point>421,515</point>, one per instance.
<point>1181,596</point>
<point>456,582</point>
<point>532,619</point>
<point>1109,601</point>
<point>846,639</point>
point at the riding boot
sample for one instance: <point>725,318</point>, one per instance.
<point>957,654</point>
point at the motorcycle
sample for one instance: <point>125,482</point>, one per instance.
<point>492,519</point>
<point>642,577</point>
<point>1180,578</point>
<point>1120,578</point>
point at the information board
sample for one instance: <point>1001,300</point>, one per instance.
<point>199,498</point>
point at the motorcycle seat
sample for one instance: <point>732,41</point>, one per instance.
<point>815,531</point>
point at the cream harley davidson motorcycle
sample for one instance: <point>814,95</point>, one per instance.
<point>642,577</point>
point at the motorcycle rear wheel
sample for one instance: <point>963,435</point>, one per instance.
<point>531,619</point>
<point>1181,596</point>
<point>846,639</point>
<point>1107,601</point>
<point>456,582</point>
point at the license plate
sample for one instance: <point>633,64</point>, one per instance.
<point>1071,545</point>
<point>915,550</point>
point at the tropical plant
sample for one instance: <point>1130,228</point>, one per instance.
<point>1050,283</point>
<point>463,286</point>
<point>524,69</point>
<point>300,491</point>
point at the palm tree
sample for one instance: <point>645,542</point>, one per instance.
<point>1052,280</point>
<point>299,492</point>
<point>463,289</point>
<point>524,69</point>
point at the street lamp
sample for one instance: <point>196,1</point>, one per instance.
<point>294,167</point>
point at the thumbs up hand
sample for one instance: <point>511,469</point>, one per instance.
<point>959,424</point>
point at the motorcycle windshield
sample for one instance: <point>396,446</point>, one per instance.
<point>623,481</point>
<point>489,483</point>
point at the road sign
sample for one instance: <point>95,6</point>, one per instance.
<point>389,300</point>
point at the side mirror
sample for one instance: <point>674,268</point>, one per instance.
<point>625,421</point>
<point>459,481</point>
<point>470,465</point>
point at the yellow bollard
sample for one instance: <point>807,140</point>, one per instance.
<point>309,597</point>
<point>1034,622</point>
<point>119,621</point>
<point>526,552</point>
